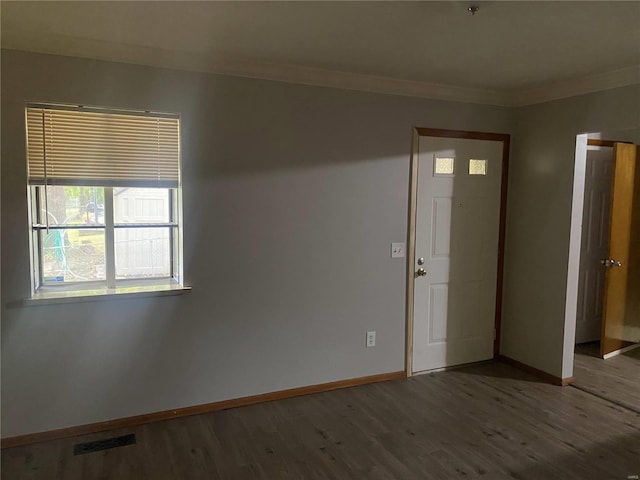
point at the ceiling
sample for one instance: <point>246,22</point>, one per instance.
<point>503,53</point>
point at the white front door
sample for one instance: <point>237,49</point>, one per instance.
<point>457,233</point>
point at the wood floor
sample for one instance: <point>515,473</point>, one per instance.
<point>485,422</point>
<point>617,378</point>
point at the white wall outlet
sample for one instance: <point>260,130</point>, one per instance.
<point>397,250</point>
<point>371,339</point>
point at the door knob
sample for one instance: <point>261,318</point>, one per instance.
<point>610,262</point>
<point>421,272</point>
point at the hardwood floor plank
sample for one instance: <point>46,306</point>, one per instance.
<point>617,378</point>
<point>487,421</point>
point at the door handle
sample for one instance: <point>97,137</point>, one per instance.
<point>610,262</point>
<point>421,272</point>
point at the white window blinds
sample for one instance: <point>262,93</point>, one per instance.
<point>77,146</point>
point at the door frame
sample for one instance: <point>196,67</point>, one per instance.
<point>575,240</point>
<point>411,227</point>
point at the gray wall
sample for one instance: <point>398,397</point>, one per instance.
<point>535,330</point>
<point>292,196</point>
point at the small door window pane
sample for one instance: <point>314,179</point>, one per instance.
<point>443,165</point>
<point>477,167</point>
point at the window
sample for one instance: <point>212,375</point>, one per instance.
<point>477,167</point>
<point>443,166</point>
<point>104,195</point>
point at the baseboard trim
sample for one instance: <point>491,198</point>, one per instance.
<point>547,377</point>
<point>615,353</point>
<point>194,410</point>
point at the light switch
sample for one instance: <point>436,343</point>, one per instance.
<point>397,250</point>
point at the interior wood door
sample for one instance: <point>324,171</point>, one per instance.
<point>456,251</point>
<point>617,295</point>
<point>594,244</point>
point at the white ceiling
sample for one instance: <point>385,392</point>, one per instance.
<point>501,54</point>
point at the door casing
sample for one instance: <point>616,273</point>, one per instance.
<point>411,230</point>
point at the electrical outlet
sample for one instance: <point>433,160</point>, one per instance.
<point>371,339</point>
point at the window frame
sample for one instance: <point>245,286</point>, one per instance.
<point>42,290</point>
<point>109,228</point>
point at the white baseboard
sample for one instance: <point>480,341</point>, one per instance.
<point>622,350</point>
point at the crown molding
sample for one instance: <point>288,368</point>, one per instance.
<point>297,74</point>
<point>579,86</point>
<point>200,62</point>
<point>360,82</point>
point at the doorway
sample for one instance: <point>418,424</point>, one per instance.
<point>607,313</point>
<point>594,243</point>
<point>456,243</point>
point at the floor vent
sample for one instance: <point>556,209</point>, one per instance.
<point>88,447</point>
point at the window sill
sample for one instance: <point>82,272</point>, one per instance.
<point>101,294</point>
